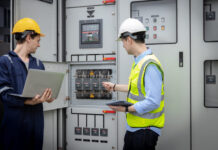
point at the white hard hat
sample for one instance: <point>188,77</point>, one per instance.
<point>131,25</point>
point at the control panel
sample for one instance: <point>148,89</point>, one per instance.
<point>86,82</point>
<point>90,29</point>
<point>160,23</point>
<point>91,34</point>
<point>91,128</point>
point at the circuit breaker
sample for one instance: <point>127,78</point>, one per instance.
<point>88,83</point>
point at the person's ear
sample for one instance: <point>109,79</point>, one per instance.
<point>28,38</point>
<point>129,40</point>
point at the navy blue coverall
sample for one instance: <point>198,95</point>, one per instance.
<point>22,125</point>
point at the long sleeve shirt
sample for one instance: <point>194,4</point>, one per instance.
<point>153,85</point>
<point>22,125</point>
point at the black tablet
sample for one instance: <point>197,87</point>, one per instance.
<point>119,103</point>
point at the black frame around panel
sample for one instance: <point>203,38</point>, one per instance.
<point>94,44</point>
<point>204,26</point>
<point>204,85</point>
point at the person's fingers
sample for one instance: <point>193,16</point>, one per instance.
<point>48,93</point>
<point>49,96</point>
<point>45,93</point>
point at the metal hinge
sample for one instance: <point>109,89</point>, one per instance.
<point>67,98</point>
<point>67,71</point>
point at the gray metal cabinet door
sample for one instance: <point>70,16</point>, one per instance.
<point>204,119</point>
<point>176,133</point>
<point>45,14</point>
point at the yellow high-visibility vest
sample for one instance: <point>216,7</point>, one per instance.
<point>136,87</point>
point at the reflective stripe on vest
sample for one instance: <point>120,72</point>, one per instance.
<point>37,62</point>
<point>149,115</point>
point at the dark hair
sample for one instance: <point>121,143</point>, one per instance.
<point>138,37</point>
<point>21,36</point>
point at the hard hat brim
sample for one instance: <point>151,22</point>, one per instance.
<point>118,39</point>
<point>41,34</point>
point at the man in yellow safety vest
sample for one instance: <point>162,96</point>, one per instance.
<point>145,89</point>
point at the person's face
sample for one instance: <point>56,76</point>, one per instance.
<point>34,43</point>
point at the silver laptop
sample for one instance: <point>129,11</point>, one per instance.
<point>38,80</point>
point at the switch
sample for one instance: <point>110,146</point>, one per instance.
<point>154,20</point>
<point>210,79</point>
<point>103,132</point>
<point>86,84</point>
<point>86,131</point>
<point>154,36</point>
<point>162,19</point>
<point>146,20</point>
<point>86,95</point>
<point>98,95</point>
<point>155,28</point>
<point>96,73</point>
<point>95,84</point>
<point>211,15</point>
<point>78,130</point>
<point>79,95</point>
<point>95,132</point>
<point>147,28</point>
<point>103,80</point>
<point>108,95</point>
<point>147,36</point>
<point>78,84</point>
<point>79,73</point>
<point>162,27</point>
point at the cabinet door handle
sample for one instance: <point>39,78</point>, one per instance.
<point>180,59</point>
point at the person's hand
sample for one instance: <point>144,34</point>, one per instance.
<point>118,108</point>
<point>50,100</point>
<point>46,96</point>
<point>108,86</point>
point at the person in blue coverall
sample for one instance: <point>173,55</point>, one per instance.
<point>23,122</point>
<point>145,117</point>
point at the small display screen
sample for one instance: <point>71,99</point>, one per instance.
<point>90,33</point>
